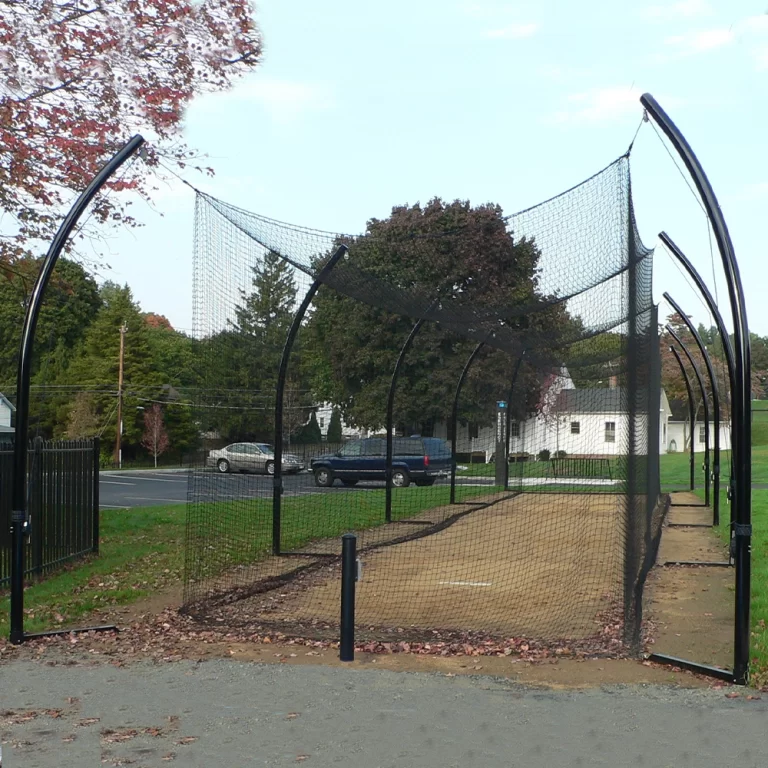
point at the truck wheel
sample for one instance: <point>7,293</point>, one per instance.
<point>400,478</point>
<point>324,477</point>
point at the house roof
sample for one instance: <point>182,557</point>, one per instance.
<point>593,400</point>
<point>679,409</point>
<point>5,400</point>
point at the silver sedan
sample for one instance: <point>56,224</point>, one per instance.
<point>251,457</point>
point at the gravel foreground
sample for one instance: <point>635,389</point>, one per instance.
<point>226,713</point>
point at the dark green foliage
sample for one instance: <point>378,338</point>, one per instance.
<point>334,434</point>
<point>441,249</point>
<point>543,455</point>
<point>309,433</point>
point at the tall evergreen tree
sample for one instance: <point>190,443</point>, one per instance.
<point>334,434</point>
<point>243,360</point>
<point>96,363</point>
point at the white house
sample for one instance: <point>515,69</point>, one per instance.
<point>323,414</point>
<point>679,431</point>
<point>582,422</point>
<point>7,409</point>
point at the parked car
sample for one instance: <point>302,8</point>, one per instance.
<point>251,457</point>
<point>420,460</point>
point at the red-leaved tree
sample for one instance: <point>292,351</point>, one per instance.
<point>155,438</point>
<point>79,77</point>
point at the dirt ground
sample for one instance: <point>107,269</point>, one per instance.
<point>689,609</point>
<point>692,607</point>
<point>536,565</point>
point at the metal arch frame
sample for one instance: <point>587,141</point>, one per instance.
<point>741,392</point>
<point>691,411</point>
<point>455,415</point>
<point>715,407</point>
<point>391,407</point>
<point>277,487</point>
<point>512,383</point>
<point>20,522</point>
<point>705,404</point>
<point>455,409</point>
<point>722,330</point>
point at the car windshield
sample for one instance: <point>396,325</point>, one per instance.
<point>264,447</point>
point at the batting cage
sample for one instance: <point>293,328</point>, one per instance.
<point>474,395</point>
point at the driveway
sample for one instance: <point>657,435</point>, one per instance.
<point>232,714</point>
<point>142,488</point>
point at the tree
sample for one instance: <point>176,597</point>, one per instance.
<point>80,76</point>
<point>334,434</point>
<point>240,364</point>
<point>96,361</point>
<point>155,438</point>
<point>451,250</point>
<point>309,433</point>
<point>83,419</point>
<point>71,303</point>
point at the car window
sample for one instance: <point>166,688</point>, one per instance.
<point>437,447</point>
<point>352,449</point>
<point>264,447</point>
<point>235,448</point>
<point>375,447</point>
<point>408,446</point>
<point>250,449</point>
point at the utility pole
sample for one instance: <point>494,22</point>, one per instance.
<point>118,458</point>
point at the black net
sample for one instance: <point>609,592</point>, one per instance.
<point>474,395</point>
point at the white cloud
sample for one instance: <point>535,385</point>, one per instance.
<point>283,100</point>
<point>513,31</point>
<point>684,9</point>
<point>601,105</point>
<point>701,41</point>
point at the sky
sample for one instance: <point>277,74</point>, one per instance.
<point>359,107</point>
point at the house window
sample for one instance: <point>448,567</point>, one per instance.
<point>472,430</point>
<point>610,431</point>
<point>702,434</point>
<point>322,422</point>
<point>575,427</point>
<point>514,429</point>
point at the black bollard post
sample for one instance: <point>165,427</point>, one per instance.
<point>348,578</point>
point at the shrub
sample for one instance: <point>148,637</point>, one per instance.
<point>560,455</point>
<point>543,455</point>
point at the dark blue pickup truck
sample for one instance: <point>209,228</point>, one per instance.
<point>420,460</point>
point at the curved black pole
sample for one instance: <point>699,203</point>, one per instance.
<point>741,393</point>
<point>455,416</point>
<point>277,483</point>
<point>705,405</point>
<point>19,519</point>
<point>391,408</point>
<point>691,412</point>
<point>512,383</point>
<point>715,407</point>
<point>724,337</point>
<point>708,298</point>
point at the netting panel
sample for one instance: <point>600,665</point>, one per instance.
<point>559,550</point>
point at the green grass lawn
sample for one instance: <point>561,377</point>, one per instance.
<point>142,549</point>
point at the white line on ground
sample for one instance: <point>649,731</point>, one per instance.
<point>156,498</point>
<point>113,482</point>
<point>467,583</point>
<point>160,480</point>
<point>111,506</point>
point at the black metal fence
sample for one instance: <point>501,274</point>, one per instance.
<point>63,502</point>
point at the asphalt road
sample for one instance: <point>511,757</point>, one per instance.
<point>233,714</point>
<point>126,489</point>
